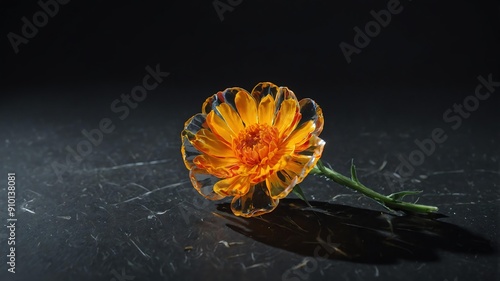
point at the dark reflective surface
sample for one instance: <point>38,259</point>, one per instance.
<point>360,235</point>
<point>119,205</point>
<point>129,208</point>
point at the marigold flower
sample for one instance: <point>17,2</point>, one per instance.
<point>253,146</point>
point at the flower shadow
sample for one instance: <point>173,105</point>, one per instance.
<point>353,234</point>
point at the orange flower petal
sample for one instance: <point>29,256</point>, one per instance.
<point>188,152</point>
<point>254,203</point>
<point>219,127</point>
<point>300,166</point>
<point>266,110</point>
<point>279,94</point>
<point>301,135</point>
<point>226,96</point>
<point>264,89</point>
<point>284,94</point>
<point>247,108</point>
<point>208,143</point>
<point>231,117</point>
<point>287,117</point>
<point>313,148</point>
<point>191,127</point>
<point>195,123</point>
<point>280,184</point>
<point>204,182</point>
<point>310,110</point>
<point>207,105</point>
<point>219,167</point>
<point>235,186</point>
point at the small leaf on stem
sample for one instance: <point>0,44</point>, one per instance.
<point>354,176</point>
<point>402,194</point>
<point>298,191</point>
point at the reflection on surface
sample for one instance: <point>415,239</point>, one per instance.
<point>360,235</point>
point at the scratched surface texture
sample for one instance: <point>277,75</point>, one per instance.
<point>128,212</point>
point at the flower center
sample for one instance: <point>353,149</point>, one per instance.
<point>257,144</point>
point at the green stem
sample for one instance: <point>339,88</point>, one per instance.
<point>386,201</point>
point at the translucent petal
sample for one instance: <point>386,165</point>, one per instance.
<point>287,118</point>
<point>207,142</point>
<point>188,152</point>
<point>266,110</point>
<point>301,135</point>
<point>313,148</point>
<point>279,94</point>
<point>219,127</point>
<point>235,186</point>
<point>210,102</point>
<point>255,203</point>
<point>229,94</point>
<point>281,183</point>
<point>284,94</point>
<point>195,123</point>
<point>191,127</point>
<point>226,96</point>
<point>220,167</point>
<point>204,182</point>
<point>231,118</point>
<point>247,108</point>
<point>264,89</point>
<point>310,110</point>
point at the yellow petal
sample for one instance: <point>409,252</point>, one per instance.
<point>247,108</point>
<point>264,89</point>
<point>207,105</point>
<point>231,118</point>
<point>188,152</point>
<point>300,165</point>
<point>234,186</point>
<point>207,142</point>
<point>280,184</point>
<point>314,147</point>
<point>195,123</point>
<point>266,110</point>
<point>301,135</point>
<point>287,117</point>
<point>254,203</point>
<point>310,110</point>
<point>204,182</point>
<point>219,167</point>
<point>219,127</point>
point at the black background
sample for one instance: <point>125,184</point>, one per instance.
<point>435,45</point>
<point>395,91</point>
